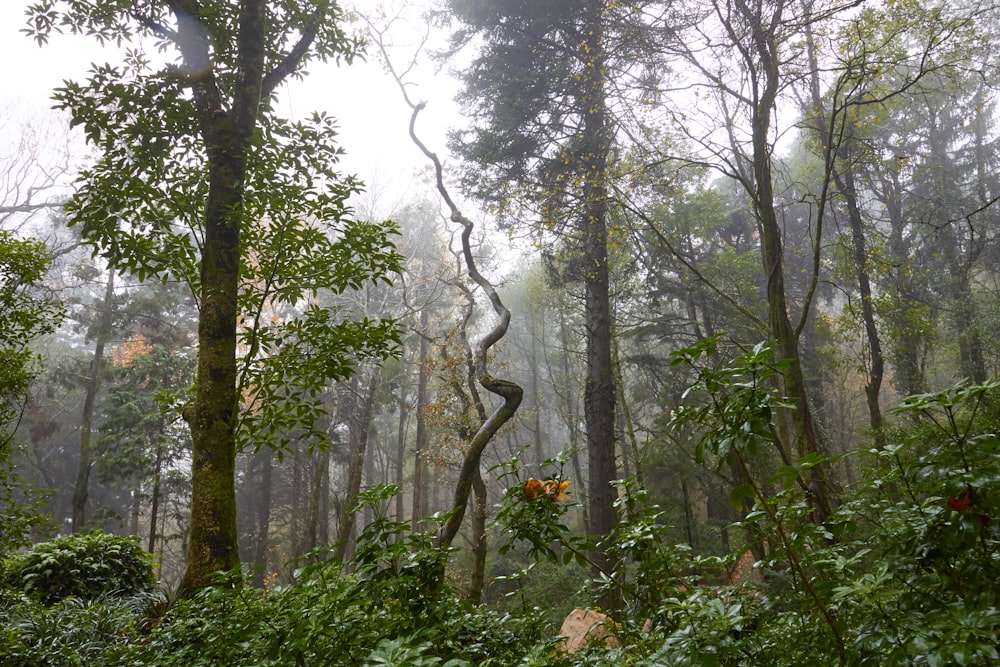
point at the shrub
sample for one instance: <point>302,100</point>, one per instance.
<point>86,566</point>
<point>71,632</point>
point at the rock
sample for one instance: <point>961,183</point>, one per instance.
<point>584,627</point>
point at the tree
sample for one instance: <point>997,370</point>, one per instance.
<point>892,68</point>
<point>196,176</point>
<point>142,439</point>
<point>540,92</point>
<point>101,335</point>
<point>510,393</point>
<point>25,316</point>
<point>748,61</point>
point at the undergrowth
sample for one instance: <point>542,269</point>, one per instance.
<point>904,572</point>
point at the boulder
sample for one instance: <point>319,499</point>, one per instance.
<point>584,627</point>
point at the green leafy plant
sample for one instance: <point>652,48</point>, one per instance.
<point>86,566</point>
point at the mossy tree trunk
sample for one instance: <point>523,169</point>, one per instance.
<point>227,136</point>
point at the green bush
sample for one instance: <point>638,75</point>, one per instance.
<point>72,632</point>
<point>85,566</point>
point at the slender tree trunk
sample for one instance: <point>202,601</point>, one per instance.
<point>297,523</point>
<point>400,462</point>
<point>318,460</point>
<point>154,510</point>
<point>784,335</point>
<point>323,519</point>
<point>599,390</point>
<point>876,366</point>
<point>419,465</point>
<point>630,445</point>
<point>538,445</point>
<point>571,416</point>
<point>361,422</point>
<point>844,179</point>
<point>262,516</point>
<point>81,490</point>
<point>907,343</point>
<point>371,475</point>
<point>136,509</point>
<point>477,582</point>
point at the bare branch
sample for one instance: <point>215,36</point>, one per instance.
<point>509,391</point>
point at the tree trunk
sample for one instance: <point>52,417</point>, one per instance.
<point>570,405</point>
<point>227,136</point>
<point>360,421</point>
<point>599,390</point>
<point>262,517</point>
<point>400,462</point>
<point>154,510</point>
<point>297,543</point>
<point>477,582</point>
<point>630,445</point>
<point>419,465</point>
<point>783,334</point>
<point>81,490</point>
<point>317,461</point>
<point>904,318</point>
<point>537,445</point>
<point>876,367</point>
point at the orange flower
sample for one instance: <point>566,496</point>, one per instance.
<point>549,488</point>
<point>961,503</point>
<point>533,488</point>
<point>557,489</point>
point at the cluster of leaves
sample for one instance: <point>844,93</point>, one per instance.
<point>73,631</point>
<point>84,566</point>
<point>902,573</point>
<point>25,315</point>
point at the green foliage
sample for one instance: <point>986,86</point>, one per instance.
<point>69,633</point>
<point>20,510</point>
<point>24,317</point>
<point>736,413</point>
<point>390,609</point>
<point>539,521</point>
<point>85,566</point>
<point>648,564</point>
<point>142,204</point>
<point>904,573</point>
<point>541,586</point>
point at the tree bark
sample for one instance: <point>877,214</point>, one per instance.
<point>400,461</point>
<point>876,366</point>
<point>82,488</point>
<point>477,582</point>
<point>262,517</point>
<point>419,467</point>
<point>766,86</point>
<point>510,392</point>
<point>599,390</point>
<point>571,417</point>
<point>154,509</point>
<point>360,422</point>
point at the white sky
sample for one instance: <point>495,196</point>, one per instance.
<point>363,98</point>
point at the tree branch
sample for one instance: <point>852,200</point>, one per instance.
<point>509,391</point>
<point>291,61</point>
